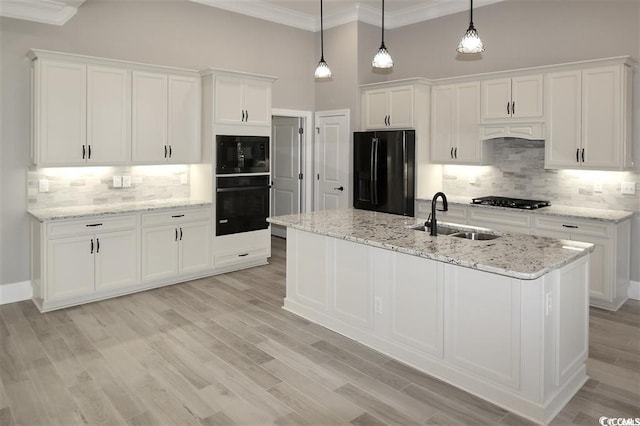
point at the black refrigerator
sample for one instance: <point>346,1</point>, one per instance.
<point>383,171</point>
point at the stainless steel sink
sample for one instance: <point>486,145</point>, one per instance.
<point>442,230</point>
<point>475,235</point>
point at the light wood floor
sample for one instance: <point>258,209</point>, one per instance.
<point>220,351</point>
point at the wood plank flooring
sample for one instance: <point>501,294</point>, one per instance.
<point>221,351</point>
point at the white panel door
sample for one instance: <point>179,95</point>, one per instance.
<point>333,166</point>
<point>149,117</point>
<point>496,99</point>
<point>352,283</point>
<point>483,324</point>
<point>563,119</point>
<point>467,149</point>
<point>70,267</point>
<point>108,115</point>
<point>375,107</point>
<point>285,191</point>
<point>257,102</point>
<point>195,246</point>
<point>416,303</point>
<point>183,119</point>
<point>401,107</point>
<point>526,97</point>
<point>442,123</point>
<point>602,117</point>
<point>229,102</point>
<point>62,113</point>
<point>159,252</point>
<point>117,258</point>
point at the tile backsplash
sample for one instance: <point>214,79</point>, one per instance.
<point>518,171</point>
<point>70,186</point>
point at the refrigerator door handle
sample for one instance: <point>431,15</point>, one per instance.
<point>374,164</point>
<point>405,170</point>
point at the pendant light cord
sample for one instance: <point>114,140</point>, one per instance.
<point>471,18</point>
<point>383,22</point>
<point>321,34</point>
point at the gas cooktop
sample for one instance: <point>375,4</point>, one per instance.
<point>515,203</point>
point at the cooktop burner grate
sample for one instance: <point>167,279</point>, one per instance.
<point>515,203</point>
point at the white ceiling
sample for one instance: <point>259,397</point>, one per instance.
<point>304,14</point>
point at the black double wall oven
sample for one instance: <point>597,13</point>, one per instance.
<point>242,183</point>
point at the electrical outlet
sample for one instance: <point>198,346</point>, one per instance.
<point>377,305</point>
<point>628,188</point>
<point>117,181</point>
<point>43,185</point>
<point>126,181</point>
<point>597,187</point>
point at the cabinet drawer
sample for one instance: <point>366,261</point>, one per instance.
<point>175,216</point>
<point>502,220</point>
<point>90,226</point>
<point>237,256</point>
<point>572,226</point>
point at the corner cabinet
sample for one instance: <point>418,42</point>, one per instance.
<point>588,118</point>
<point>455,131</point>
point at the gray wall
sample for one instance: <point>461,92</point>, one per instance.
<point>175,33</point>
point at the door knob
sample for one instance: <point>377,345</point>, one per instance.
<point>340,188</point>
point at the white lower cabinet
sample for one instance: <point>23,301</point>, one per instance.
<point>175,243</point>
<point>242,250</point>
<point>70,268</point>
<point>116,260</point>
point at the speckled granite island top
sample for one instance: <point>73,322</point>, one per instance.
<point>515,255</point>
<point>78,212</point>
<point>615,216</point>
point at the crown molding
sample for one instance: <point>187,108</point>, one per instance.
<point>44,11</point>
<point>430,9</point>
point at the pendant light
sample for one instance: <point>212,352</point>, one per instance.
<point>322,70</point>
<point>382,58</point>
<point>471,42</point>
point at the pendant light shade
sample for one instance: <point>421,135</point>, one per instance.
<point>471,42</point>
<point>383,58</point>
<point>322,70</point>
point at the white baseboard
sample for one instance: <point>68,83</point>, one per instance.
<point>634,290</point>
<point>15,292</point>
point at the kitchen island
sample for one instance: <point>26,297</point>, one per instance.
<point>505,319</point>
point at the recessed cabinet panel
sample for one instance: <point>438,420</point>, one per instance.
<point>60,113</point>
<point>375,104</point>
<point>526,96</point>
<point>108,115</point>
<point>310,282</point>
<point>352,283</point>
<point>416,303</point>
<point>195,242</point>
<point>401,107</point>
<point>70,268</point>
<point>149,137</point>
<point>184,119</point>
<point>443,123</point>
<point>257,99</point>
<point>159,252</point>
<point>467,117</point>
<point>228,101</point>
<point>116,260</point>
<point>496,98</point>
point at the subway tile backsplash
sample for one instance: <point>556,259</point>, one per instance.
<point>518,171</point>
<point>70,186</point>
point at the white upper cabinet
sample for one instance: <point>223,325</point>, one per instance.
<point>588,121</point>
<point>391,107</point>
<point>166,118</point>
<point>242,100</point>
<point>512,98</point>
<point>455,118</point>
<point>108,115</point>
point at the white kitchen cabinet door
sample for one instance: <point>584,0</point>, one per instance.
<point>108,115</point>
<point>229,102</point>
<point>400,101</point>
<point>307,282</point>
<point>116,260</point>
<point>159,252</point>
<point>468,148</point>
<point>375,107</point>
<point>60,109</point>
<point>183,119</point>
<point>195,247</point>
<point>257,102</point>
<point>496,99</point>
<point>526,97</point>
<point>149,117</point>
<point>563,119</point>
<point>443,112</point>
<point>602,117</point>
<point>70,267</point>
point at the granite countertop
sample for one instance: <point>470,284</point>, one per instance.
<point>77,212</point>
<point>615,216</point>
<point>515,255</point>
